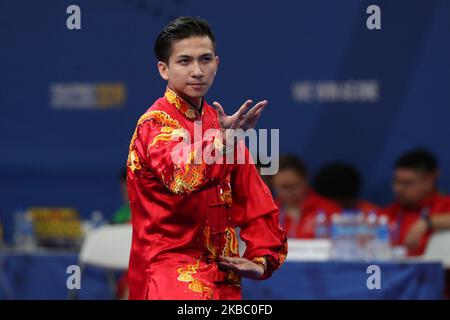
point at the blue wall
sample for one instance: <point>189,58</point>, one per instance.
<point>71,157</point>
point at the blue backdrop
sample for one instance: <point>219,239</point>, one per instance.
<point>69,153</point>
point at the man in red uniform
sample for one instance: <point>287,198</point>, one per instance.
<point>299,204</point>
<point>419,208</point>
<point>185,213</point>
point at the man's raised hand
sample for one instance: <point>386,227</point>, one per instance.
<point>241,119</point>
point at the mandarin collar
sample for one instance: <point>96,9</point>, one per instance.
<point>183,106</point>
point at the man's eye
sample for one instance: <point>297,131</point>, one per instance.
<point>183,61</point>
<point>206,59</point>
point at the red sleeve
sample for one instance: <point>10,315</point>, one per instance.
<point>158,145</point>
<point>256,214</point>
<point>442,207</point>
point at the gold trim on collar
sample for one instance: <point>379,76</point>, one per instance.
<point>182,105</point>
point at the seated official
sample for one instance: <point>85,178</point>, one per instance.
<point>299,204</point>
<point>419,209</point>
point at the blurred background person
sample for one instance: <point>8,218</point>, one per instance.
<point>299,204</point>
<point>419,209</point>
<point>341,182</point>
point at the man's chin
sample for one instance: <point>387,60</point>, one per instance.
<point>195,94</point>
<point>189,92</point>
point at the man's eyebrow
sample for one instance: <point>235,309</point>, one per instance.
<point>190,57</point>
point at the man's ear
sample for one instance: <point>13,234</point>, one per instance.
<point>217,63</point>
<point>163,70</point>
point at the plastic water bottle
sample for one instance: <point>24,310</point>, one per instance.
<point>382,241</point>
<point>321,229</point>
<point>371,227</point>
<point>336,236</point>
<point>360,235</point>
<point>345,238</point>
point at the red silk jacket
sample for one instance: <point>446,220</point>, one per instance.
<point>185,214</point>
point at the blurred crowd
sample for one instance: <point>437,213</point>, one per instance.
<point>329,205</point>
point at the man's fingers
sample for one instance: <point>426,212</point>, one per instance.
<point>253,115</point>
<point>228,266</point>
<point>256,108</point>
<point>244,108</point>
<point>230,259</point>
<point>260,105</point>
<point>219,108</point>
<point>251,121</point>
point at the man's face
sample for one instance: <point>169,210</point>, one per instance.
<point>290,187</point>
<point>191,68</point>
<point>412,186</point>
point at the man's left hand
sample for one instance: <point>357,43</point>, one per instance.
<point>241,266</point>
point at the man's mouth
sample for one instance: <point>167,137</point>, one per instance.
<point>197,86</point>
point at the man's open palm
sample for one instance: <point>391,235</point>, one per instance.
<point>241,119</point>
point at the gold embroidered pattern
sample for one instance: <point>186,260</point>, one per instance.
<point>225,193</point>
<point>160,117</point>
<point>180,104</point>
<point>185,274</point>
<point>273,263</point>
<point>261,261</point>
<point>199,287</point>
<point>168,133</point>
<point>194,284</point>
<point>187,177</point>
<point>231,242</point>
<point>133,161</point>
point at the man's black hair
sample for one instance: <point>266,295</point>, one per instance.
<point>292,162</point>
<point>419,160</point>
<point>179,29</point>
<point>339,181</point>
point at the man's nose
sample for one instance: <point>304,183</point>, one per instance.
<point>197,71</point>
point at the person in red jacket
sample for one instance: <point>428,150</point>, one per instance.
<point>419,209</point>
<point>187,199</point>
<point>299,204</point>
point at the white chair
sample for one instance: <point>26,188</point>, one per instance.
<point>438,248</point>
<point>106,247</point>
